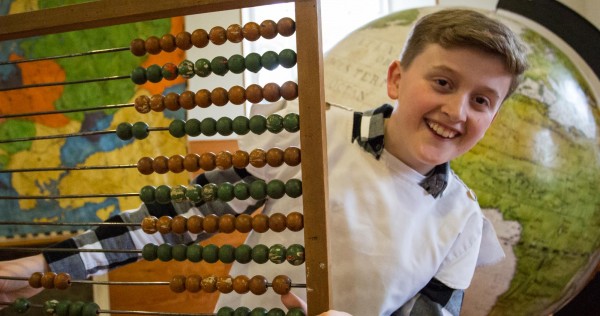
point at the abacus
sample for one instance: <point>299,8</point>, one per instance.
<point>308,90</point>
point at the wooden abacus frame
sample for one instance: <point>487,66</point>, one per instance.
<point>311,96</point>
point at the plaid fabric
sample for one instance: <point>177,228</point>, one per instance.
<point>434,299</point>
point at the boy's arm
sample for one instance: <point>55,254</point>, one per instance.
<point>435,298</point>
<point>11,290</point>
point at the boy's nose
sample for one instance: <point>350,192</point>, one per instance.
<point>456,109</point>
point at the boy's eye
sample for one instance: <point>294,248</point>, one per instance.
<point>482,101</point>
<point>442,82</point>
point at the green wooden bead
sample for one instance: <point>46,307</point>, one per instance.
<point>219,65</point>
<point>202,67</point>
<point>287,58</point>
<point>210,192</point>
<point>227,253</point>
<point>241,311</point>
<point>258,189</point>
<point>241,125</point>
<point>163,194</point>
<point>293,188</point>
<point>225,192</point>
<point>147,194</point>
<point>150,252</point>
<point>21,305</point>
<point>178,193</point>
<point>154,73</point>
<point>295,312</point>
<point>253,62</point>
<point>140,130</point>
<point>138,75</point>
<point>295,254</point>
<point>225,311</point>
<point>90,309</point>
<point>179,252</point>
<point>260,253</point>
<point>209,126</point>
<point>277,253</point>
<point>236,64</point>
<point>62,308</point>
<point>194,193</point>
<point>76,308</point>
<point>241,190</point>
<point>270,60</point>
<point>177,128</point>
<point>225,126</point>
<point>243,253</point>
<point>164,252</point>
<point>193,127</point>
<point>194,253</point>
<point>210,253</point>
<point>291,122</point>
<point>186,69</point>
<point>276,312</point>
<point>276,189</point>
<point>170,71</point>
<point>258,311</point>
<point>274,123</point>
<point>258,124</point>
<point>123,131</point>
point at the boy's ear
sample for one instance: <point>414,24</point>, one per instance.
<point>393,79</point>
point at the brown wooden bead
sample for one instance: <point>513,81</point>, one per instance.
<point>167,43</point>
<point>254,93</point>
<point>179,224</point>
<point>208,161</point>
<point>260,223</point>
<point>187,100</point>
<point>144,165</point>
<point>251,31</point>
<point>275,157</point>
<point>295,221</point>
<point>227,223</point>
<point>241,284</point>
<point>268,29</point>
<point>271,92</point>
<point>243,223</point>
<point>149,224</point>
<point>219,96</point>
<point>177,283</point>
<point>172,101</point>
<point>157,103</point>
<point>211,223</point>
<point>258,158</point>
<point>292,156</point>
<point>237,95</point>
<point>195,224</point>
<point>163,225</point>
<point>183,40</point>
<point>191,162</point>
<point>282,284</point>
<point>240,159</point>
<point>48,280</point>
<point>142,104</point>
<point>286,26</point>
<point>62,281</point>
<point>277,222</point>
<point>209,284</point>
<point>160,164</point>
<point>217,35</point>
<point>200,38</point>
<point>202,98</point>
<point>152,45</point>
<point>176,164</point>
<point>193,283</point>
<point>258,285</point>
<point>289,90</point>
<point>35,280</point>
<point>225,284</point>
<point>138,47</point>
<point>223,160</point>
<point>234,33</point>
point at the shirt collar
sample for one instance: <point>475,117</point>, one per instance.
<point>367,131</point>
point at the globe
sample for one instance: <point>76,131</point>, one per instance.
<point>535,172</point>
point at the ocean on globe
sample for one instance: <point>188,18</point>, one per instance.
<point>535,172</point>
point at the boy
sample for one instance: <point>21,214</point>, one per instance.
<point>406,234</point>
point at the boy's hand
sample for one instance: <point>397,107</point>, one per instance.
<point>23,267</point>
<point>290,300</point>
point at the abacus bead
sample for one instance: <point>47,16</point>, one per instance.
<point>243,253</point>
<point>202,98</point>
<point>138,75</point>
<point>275,123</point>
<point>258,124</point>
<point>62,281</point>
<point>292,156</point>
<point>276,311</point>
<point>193,283</point>
<point>296,311</point>
<point>211,223</point>
<point>268,29</point>
<point>177,128</point>
<point>176,163</point>
<point>179,252</point>
<point>200,38</point>
<point>168,43</point>
<point>271,92</point>
<point>241,191</point>
<point>260,253</point>
<point>258,311</point>
<point>234,33</point>
<point>186,100</point>
<point>210,253</point>
<point>225,126</point>
<point>225,284</point>
<point>209,126</point>
<point>236,64</point>
<point>140,130</point>
<point>276,189</point>
<point>241,284</point>
<point>282,284</point>
<point>178,193</point>
<point>157,103</point>
<point>49,307</point>
<point>150,252</point>
<point>219,96</point>
<point>293,188</point>
<point>164,252</point>
<point>142,104</point>
<point>76,309</point>
<point>137,47</point>
<point>123,131</point>
<point>191,162</point>
<point>277,253</point>
<point>183,40</point>
<point>209,193</point>
<point>35,280</point>
<point>251,31</point>
<point>154,73</point>
<point>240,159</point>
<point>242,311</point>
<point>62,308</point>
<point>202,67</point>
<point>225,311</point>
<point>172,101</point>
<point>163,194</point>
<point>21,305</point>
<point>48,280</point>
<point>274,157</point>
<point>160,164</point>
<point>286,26</point>
<point>289,90</point>
<point>219,66</point>
<point>258,285</point>
<point>237,95</point>
<point>241,125</point>
<point>194,253</point>
<point>277,222</point>
<point>193,127</point>
<point>287,58</point>
<point>186,69</point>
<point>177,283</point>
<point>227,253</point>
<point>258,158</point>
<point>295,254</point>
<point>144,165</point>
<point>291,122</point>
<point>152,45</point>
<point>148,195</point>
<point>260,223</point>
<point>208,161</point>
<point>270,60</point>
<point>169,71</point>
<point>217,35</point>
<point>225,193</point>
<point>254,93</point>
<point>227,222</point>
<point>163,225</point>
<point>194,194</point>
<point>295,221</point>
<point>258,189</point>
<point>253,62</point>
<point>243,223</point>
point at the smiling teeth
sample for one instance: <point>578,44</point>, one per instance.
<point>442,131</point>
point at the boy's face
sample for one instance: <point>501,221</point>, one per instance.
<point>447,99</point>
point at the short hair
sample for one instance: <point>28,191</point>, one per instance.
<point>451,28</point>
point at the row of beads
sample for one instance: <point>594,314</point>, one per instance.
<point>219,65</point>
<point>218,35</point>
<point>208,161</point>
<point>258,190</point>
<point>60,308</point>
<point>50,280</point>
<point>227,223</point>
<point>258,311</point>
<point>226,284</point>
<point>260,254</point>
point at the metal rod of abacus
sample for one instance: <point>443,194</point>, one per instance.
<point>68,224</point>
<point>58,136</point>
<point>34,249</point>
<point>50,84</point>
<point>91,52</point>
<point>96,108</point>
<point>124,166</point>
<point>67,196</point>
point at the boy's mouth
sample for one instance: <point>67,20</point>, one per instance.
<point>441,130</point>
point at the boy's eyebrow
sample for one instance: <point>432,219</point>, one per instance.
<point>454,72</point>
